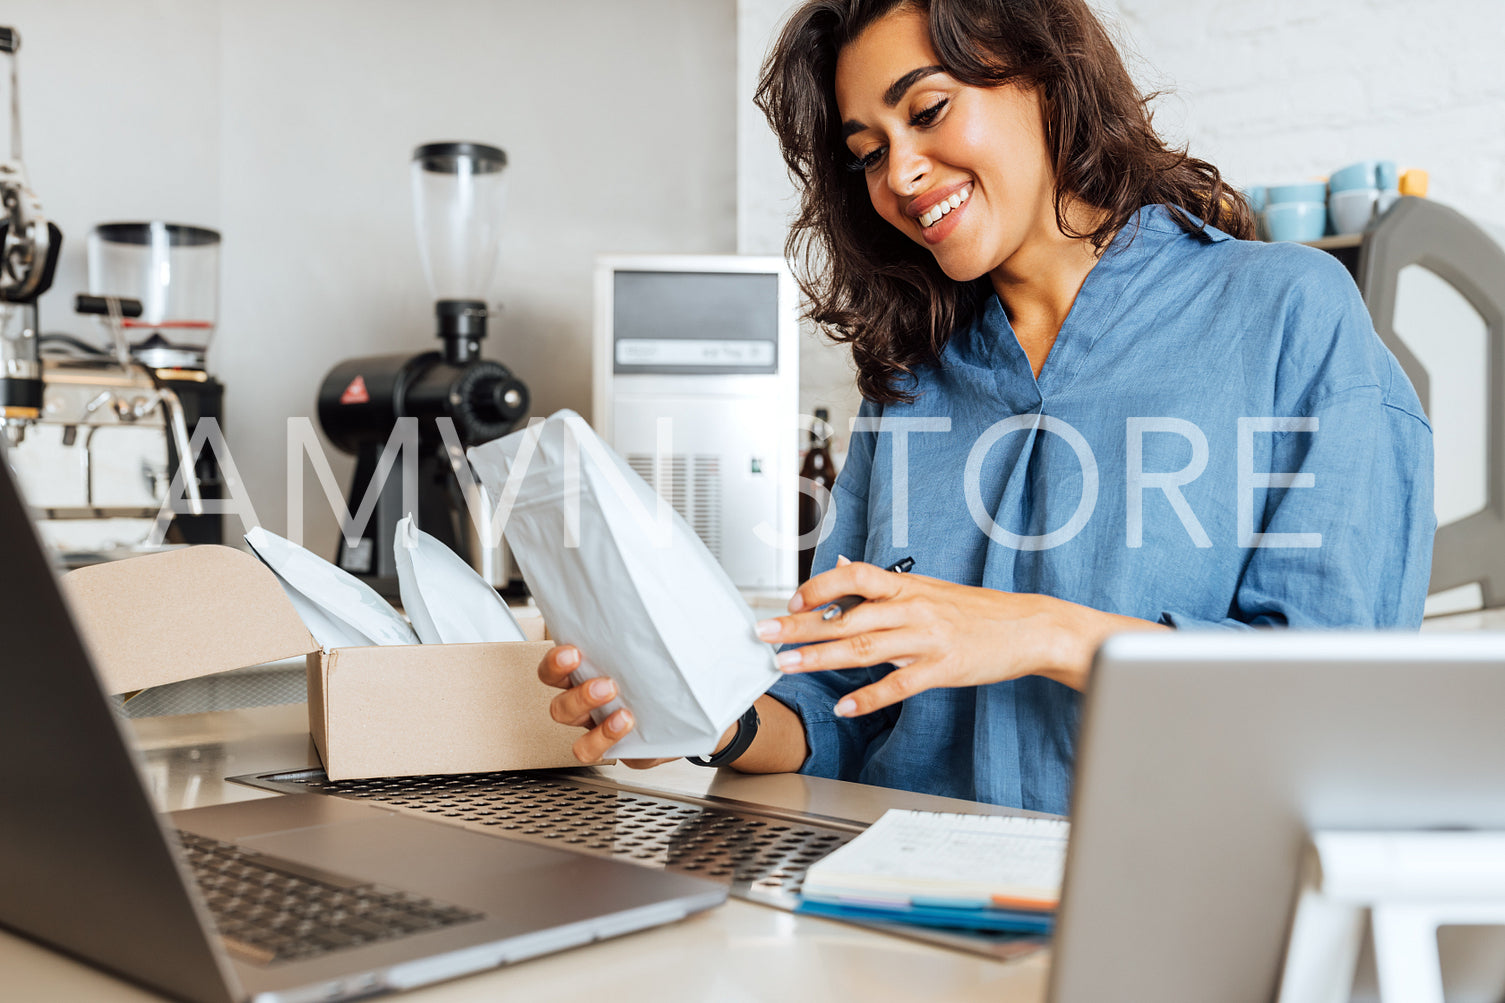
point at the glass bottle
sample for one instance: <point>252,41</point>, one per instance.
<point>817,468</point>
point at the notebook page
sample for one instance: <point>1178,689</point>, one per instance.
<point>906,854</point>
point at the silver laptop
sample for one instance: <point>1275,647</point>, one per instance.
<point>298,897</point>
<point>1206,758</point>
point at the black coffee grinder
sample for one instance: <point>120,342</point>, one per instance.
<point>458,194</point>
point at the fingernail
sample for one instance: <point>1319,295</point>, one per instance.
<point>842,559</point>
<point>769,630</point>
<point>846,708</point>
<point>601,689</point>
<point>796,603</point>
<point>790,659</point>
<point>568,658</point>
<point>619,722</point>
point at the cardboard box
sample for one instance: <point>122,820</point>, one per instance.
<point>402,710</point>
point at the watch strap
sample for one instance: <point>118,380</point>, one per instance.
<point>747,730</point>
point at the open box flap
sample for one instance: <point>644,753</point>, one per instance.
<point>162,618</point>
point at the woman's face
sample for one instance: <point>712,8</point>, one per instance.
<point>961,170</point>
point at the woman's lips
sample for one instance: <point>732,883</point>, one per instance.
<point>940,230</point>
<point>936,208</point>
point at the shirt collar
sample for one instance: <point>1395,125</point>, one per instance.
<point>1158,217</point>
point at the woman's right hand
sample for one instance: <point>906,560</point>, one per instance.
<point>573,707</point>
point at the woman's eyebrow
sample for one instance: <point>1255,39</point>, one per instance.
<point>896,90</point>
<point>893,95</point>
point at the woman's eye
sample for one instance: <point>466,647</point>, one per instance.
<point>928,115</point>
<point>868,161</point>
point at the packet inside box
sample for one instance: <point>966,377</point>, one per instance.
<point>396,710</point>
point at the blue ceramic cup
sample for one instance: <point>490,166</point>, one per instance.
<point>1387,178</point>
<point>1295,220</point>
<point>1310,191</point>
<point>1354,177</point>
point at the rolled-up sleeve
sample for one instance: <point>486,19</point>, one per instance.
<point>838,745</point>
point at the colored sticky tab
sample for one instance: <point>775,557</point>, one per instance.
<point>1027,905</point>
<point>936,902</point>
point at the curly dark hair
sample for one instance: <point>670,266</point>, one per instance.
<point>870,286</point>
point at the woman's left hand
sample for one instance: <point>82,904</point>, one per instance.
<point>936,633</point>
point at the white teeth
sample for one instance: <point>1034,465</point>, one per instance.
<point>933,215</point>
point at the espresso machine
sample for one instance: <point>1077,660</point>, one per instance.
<point>458,398</point>
<point>101,461</point>
<point>172,269</point>
<point>89,438</point>
<point>94,432</point>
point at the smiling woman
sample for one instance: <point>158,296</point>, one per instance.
<point>1052,307</point>
<point>1049,111</point>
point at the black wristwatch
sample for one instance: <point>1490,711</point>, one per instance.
<point>747,730</point>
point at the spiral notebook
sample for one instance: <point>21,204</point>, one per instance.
<point>983,871</point>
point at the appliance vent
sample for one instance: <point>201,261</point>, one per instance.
<point>694,491</point>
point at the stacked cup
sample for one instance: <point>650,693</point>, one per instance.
<point>1360,192</point>
<point>1295,212</point>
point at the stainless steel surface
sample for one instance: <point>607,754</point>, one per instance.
<point>760,850</point>
<point>95,463</point>
<point>67,474</point>
<point>178,426</point>
<point>483,547</point>
<point>762,858</point>
<point>740,952</point>
<point>27,241</point>
<point>12,46</point>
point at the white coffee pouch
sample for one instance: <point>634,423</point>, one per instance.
<point>629,583</point>
<point>443,596</point>
<point>339,610</point>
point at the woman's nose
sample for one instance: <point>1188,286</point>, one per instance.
<point>907,168</point>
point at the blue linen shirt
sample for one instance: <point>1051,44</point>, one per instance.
<point>1217,438</point>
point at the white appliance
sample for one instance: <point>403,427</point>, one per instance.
<point>703,351</point>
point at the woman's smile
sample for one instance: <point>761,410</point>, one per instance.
<point>938,213</point>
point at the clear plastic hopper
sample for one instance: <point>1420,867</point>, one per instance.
<point>458,191</point>
<point>173,269</point>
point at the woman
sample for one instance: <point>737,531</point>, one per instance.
<point>1092,404</point>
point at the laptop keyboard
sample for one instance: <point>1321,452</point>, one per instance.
<point>268,914</point>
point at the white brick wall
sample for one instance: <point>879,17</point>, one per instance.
<point>1270,91</point>
<point>1285,90</point>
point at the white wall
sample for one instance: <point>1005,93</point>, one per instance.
<point>1270,91</point>
<point>766,201</point>
<point>1286,90</point>
<point>289,125</point>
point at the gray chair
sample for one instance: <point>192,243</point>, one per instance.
<point>1469,259</point>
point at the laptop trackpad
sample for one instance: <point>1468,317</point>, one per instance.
<point>240,820</point>
<point>431,859</point>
